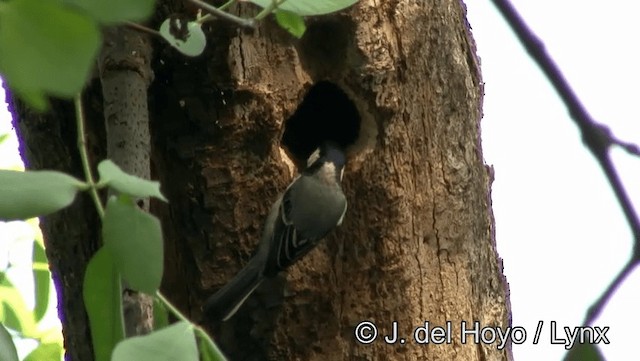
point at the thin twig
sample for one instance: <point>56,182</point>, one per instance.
<point>627,146</point>
<point>594,311</point>
<point>199,330</point>
<point>142,28</point>
<point>203,335</point>
<point>209,17</point>
<point>596,137</point>
<point>247,23</point>
<point>82,147</point>
<point>269,9</point>
<point>226,5</point>
<point>171,307</point>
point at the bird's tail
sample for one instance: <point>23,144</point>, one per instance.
<point>224,303</point>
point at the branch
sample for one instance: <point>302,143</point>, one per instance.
<point>142,28</point>
<point>594,311</point>
<point>596,137</point>
<point>125,75</point>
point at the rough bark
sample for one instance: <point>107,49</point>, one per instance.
<point>417,243</point>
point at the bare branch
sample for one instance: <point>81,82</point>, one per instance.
<point>594,311</point>
<point>596,137</point>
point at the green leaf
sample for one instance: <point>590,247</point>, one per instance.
<point>46,47</point>
<point>14,312</point>
<point>208,350</point>
<point>45,351</point>
<point>35,98</point>
<point>291,22</point>
<point>193,42</point>
<point>134,238</point>
<point>114,177</point>
<point>102,298</point>
<point>35,193</point>
<point>115,11</point>
<point>10,301</point>
<point>41,280</point>
<point>7,348</point>
<point>8,315</point>
<point>309,7</point>
<point>175,342</point>
<point>4,137</point>
<point>160,315</point>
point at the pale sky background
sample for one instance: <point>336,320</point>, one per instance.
<point>559,229</point>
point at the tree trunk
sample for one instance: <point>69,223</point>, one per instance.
<point>72,235</point>
<point>417,243</point>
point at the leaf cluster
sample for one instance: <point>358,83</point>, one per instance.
<point>129,234</point>
<point>49,47</point>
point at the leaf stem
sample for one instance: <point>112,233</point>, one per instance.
<point>248,23</point>
<point>199,330</point>
<point>142,28</point>
<point>226,5</point>
<point>82,147</point>
<point>171,307</point>
<point>269,9</point>
<point>202,334</point>
<point>209,17</point>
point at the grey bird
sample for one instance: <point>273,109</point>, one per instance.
<point>306,212</point>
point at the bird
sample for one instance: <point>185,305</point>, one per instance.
<point>310,207</point>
